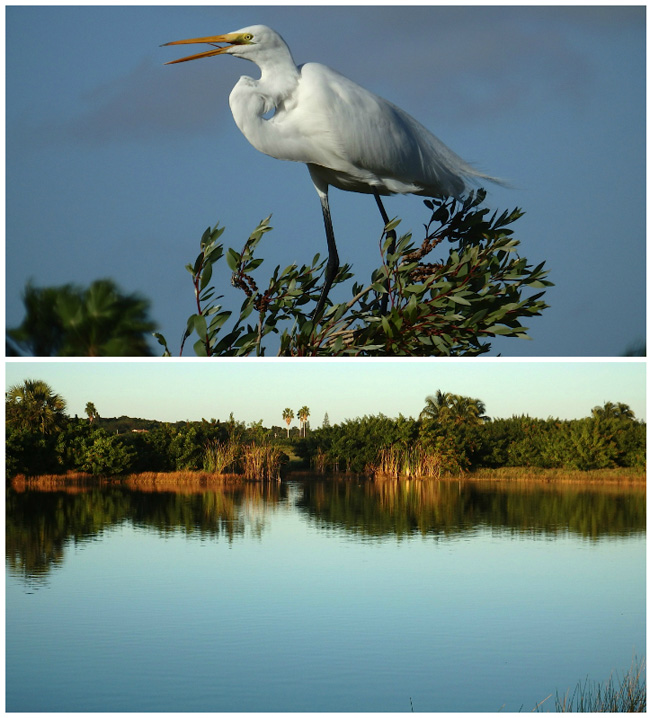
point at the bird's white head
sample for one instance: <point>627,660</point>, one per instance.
<point>251,43</point>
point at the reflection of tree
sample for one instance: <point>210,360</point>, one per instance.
<point>451,507</point>
<point>40,524</point>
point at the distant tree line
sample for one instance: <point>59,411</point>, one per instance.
<point>42,439</point>
<point>452,434</point>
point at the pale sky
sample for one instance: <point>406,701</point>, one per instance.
<point>177,390</point>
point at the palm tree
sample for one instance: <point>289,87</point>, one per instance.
<point>466,410</point>
<point>447,408</point>
<point>71,321</point>
<point>91,412</point>
<point>437,407</point>
<point>303,415</point>
<point>613,411</point>
<point>34,406</point>
<point>287,415</point>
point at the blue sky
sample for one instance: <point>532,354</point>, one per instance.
<point>178,390</point>
<point>116,163</point>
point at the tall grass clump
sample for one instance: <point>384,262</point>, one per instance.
<point>413,462</point>
<point>261,462</point>
<point>219,456</point>
<point>616,695</point>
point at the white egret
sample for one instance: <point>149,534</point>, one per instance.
<point>347,136</point>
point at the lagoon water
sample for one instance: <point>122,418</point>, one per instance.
<point>320,596</point>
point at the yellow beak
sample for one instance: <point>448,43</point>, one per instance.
<point>231,38</point>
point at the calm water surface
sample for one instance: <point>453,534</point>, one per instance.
<point>315,596</point>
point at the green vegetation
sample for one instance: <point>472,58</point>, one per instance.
<point>371,444</point>
<point>34,415</point>
<point>616,695</point>
<point>34,407</point>
<point>452,435</point>
<point>287,416</point>
<point>71,321</point>
<point>453,409</point>
<point>475,289</point>
<point>89,447</point>
<point>261,461</point>
<point>464,284</point>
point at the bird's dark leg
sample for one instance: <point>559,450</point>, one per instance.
<point>391,247</point>
<point>332,267</point>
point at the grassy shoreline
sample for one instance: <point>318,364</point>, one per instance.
<point>203,479</point>
<point>531,473</point>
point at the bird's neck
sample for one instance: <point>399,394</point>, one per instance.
<point>279,77</point>
<point>251,101</point>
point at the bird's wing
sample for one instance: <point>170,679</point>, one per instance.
<point>365,139</point>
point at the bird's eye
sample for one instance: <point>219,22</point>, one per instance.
<point>248,37</point>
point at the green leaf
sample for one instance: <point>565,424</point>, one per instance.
<point>385,246</point>
<point>393,224</point>
<point>216,233</point>
<point>233,259</point>
<point>214,253</point>
<point>206,275</point>
<point>247,308</point>
<point>206,236</point>
<point>206,295</point>
<point>200,326</point>
<point>503,330</point>
<point>414,289</point>
<point>253,264</point>
<point>411,308</point>
<point>199,348</point>
<point>441,344</point>
<point>161,340</point>
<point>219,320</point>
<point>459,300</point>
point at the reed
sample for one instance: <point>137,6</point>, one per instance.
<point>185,482</point>
<point>220,455</point>
<point>53,482</point>
<point>171,478</point>
<point>526,473</point>
<point>616,695</point>
<point>261,462</point>
<point>411,462</point>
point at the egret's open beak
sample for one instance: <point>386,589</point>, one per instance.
<point>231,39</point>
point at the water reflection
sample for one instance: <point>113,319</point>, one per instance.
<point>443,508</point>
<point>41,524</point>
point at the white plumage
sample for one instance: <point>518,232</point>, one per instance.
<point>347,136</point>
